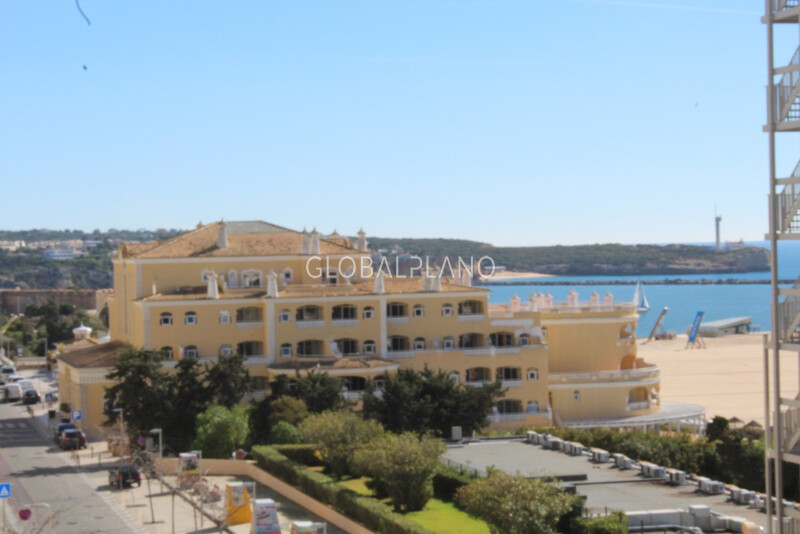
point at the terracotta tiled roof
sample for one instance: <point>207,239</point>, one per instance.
<point>104,355</point>
<point>245,238</point>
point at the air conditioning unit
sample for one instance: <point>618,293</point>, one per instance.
<point>599,456</point>
<point>623,462</point>
<point>650,470</point>
<point>554,443</point>
<point>711,487</point>
<point>573,448</point>
<point>743,496</point>
<point>676,477</point>
<point>531,436</point>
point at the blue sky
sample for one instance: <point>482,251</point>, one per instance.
<point>515,123</point>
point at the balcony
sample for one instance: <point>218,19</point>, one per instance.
<point>606,376</point>
<point>503,417</point>
<point>344,322</point>
<point>643,405</point>
<point>397,320</point>
<point>316,323</point>
<point>471,318</point>
<point>249,325</point>
<point>511,383</point>
<point>477,383</point>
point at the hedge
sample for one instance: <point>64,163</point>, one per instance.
<point>302,454</point>
<point>447,481</point>
<point>372,513</point>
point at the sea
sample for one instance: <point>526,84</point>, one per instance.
<point>717,301</point>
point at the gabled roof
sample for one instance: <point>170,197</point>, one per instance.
<point>245,238</point>
<point>101,356</point>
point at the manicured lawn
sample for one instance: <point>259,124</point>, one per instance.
<point>438,516</point>
<point>444,518</point>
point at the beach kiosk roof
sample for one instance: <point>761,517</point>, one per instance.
<point>726,327</point>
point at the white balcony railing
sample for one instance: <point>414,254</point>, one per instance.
<point>471,318</point>
<point>477,383</point>
<point>511,383</point>
<point>502,417</point>
<point>644,372</point>
<point>250,325</point>
<point>310,324</point>
<point>397,320</point>
<point>344,322</point>
<point>643,405</point>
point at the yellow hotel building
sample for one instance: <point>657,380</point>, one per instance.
<point>293,300</point>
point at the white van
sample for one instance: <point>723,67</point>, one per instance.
<point>12,392</point>
<point>25,384</point>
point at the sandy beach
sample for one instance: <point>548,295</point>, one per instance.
<point>514,275</point>
<point>726,377</point>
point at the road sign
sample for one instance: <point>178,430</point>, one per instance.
<point>49,397</point>
<point>5,490</point>
<point>25,513</point>
<point>76,415</point>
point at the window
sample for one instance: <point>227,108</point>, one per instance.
<point>453,375</point>
<point>190,318</point>
<point>448,343</point>
<point>533,406</point>
<point>309,313</point>
<point>285,316</point>
<point>369,347</point>
<point>287,275</point>
<point>166,319</point>
<point>225,350</point>
<point>470,307</point>
<point>309,347</point>
<point>347,346</point>
<point>501,339</point>
<point>419,343</point>
<point>286,350</point>
<point>333,278</point>
<point>248,315</point>
<point>205,275</point>
<point>224,317</point>
<point>509,406</point>
<point>396,309</point>
<point>233,278</point>
<point>524,339</point>
<point>533,374</point>
<point>576,395</point>
<point>251,278</point>
<point>398,343</point>
<point>447,310</point>
<point>508,373</point>
<point>167,352</point>
<point>343,312</point>
<point>470,341</point>
<point>419,311</point>
<point>380,383</point>
<point>368,313</point>
<point>249,348</point>
<point>191,352</point>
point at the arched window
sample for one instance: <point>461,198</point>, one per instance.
<point>190,318</point>
<point>501,339</point>
<point>225,350</point>
<point>249,348</point>
<point>419,310</point>
<point>396,309</point>
<point>344,312</point>
<point>251,278</point>
<point>287,274</point>
<point>309,313</point>
<point>576,395</point>
<point>508,373</point>
<point>419,343</point>
<point>347,345</point>
<point>369,346</point>
<point>470,341</point>
<point>286,350</point>
<point>533,406</point>
<point>309,347</point>
<point>191,352</point>
<point>447,310</point>
<point>167,352</point>
<point>248,315</point>
<point>165,319</point>
<point>449,343</point>
<point>470,307</point>
<point>398,343</point>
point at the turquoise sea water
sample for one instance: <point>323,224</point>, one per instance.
<point>684,301</point>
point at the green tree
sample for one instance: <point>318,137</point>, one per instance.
<point>221,430</point>
<point>285,433</point>
<point>259,420</point>
<point>421,402</point>
<point>402,465</point>
<point>288,409</point>
<point>139,390</point>
<point>188,396</point>
<point>338,435</point>
<point>514,504</point>
<point>229,380</point>
<point>320,391</point>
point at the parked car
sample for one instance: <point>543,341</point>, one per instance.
<point>72,438</point>
<point>31,396</point>
<point>5,372</point>
<point>12,392</point>
<point>61,428</point>
<point>124,476</point>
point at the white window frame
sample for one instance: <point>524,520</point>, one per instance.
<point>247,273</point>
<point>224,317</point>
<point>368,312</point>
<point>168,353</point>
<point>448,343</point>
<point>191,352</point>
<point>369,347</point>
<point>204,275</point>
<point>418,310</point>
<point>533,374</point>
<point>287,275</point>
<point>286,350</point>
<point>165,319</point>
<point>447,310</point>
<point>419,344</point>
<point>285,316</point>
<point>225,350</point>
<point>233,278</point>
<point>190,318</point>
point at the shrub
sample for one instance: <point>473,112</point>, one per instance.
<point>284,432</point>
<point>302,453</point>
<point>447,481</point>
<point>338,435</point>
<point>616,523</point>
<point>288,409</point>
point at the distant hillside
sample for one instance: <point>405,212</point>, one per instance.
<point>608,259</point>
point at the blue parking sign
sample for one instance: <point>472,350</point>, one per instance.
<point>76,415</point>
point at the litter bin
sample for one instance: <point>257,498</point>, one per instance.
<point>51,414</point>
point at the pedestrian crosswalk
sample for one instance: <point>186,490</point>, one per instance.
<point>13,425</point>
<point>18,432</point>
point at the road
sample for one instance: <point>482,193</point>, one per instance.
<point>43,479</point>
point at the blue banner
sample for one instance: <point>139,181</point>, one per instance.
<point>696,326</point>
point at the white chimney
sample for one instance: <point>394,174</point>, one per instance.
<point>314,242</point>
<point>212,289</point>
<point>362,240</point>
<point>304,247</point>
<point>222,238</point>
<point>272,285</point>
<point>380,286</point>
